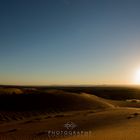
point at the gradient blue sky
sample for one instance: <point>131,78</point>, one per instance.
<point>48,42</point>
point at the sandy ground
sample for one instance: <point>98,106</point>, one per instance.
<point>100,119</point>
<point>122,124</point>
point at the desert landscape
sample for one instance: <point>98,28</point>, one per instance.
<point>71,113</point>
<point>69,69</point>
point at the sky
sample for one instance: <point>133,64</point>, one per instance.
<point>69,42</point>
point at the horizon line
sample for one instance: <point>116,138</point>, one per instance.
<point>68,85</point>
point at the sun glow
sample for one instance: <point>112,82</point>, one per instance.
<point>137,77</point>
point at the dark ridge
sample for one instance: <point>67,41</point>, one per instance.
<point>43,101</point>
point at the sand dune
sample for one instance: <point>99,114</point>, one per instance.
<point>10,90</point>
<point>32,116</point>
<point>109,124</point>
<point>18,107</point>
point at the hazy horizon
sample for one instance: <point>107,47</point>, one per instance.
<point>69,42</point>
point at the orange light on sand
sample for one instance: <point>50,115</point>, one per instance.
<point>137,77</point>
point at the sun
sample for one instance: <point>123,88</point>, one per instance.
<point>137,77</point>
